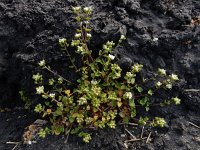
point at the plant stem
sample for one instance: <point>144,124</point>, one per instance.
<point>84,36</point>
<point>71,60</point>
<point>54,73</point>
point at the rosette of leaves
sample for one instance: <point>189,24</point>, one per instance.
<point>102,95</point>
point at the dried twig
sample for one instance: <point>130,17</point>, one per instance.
<point>130,134</point>
<point>148,138</point>
<point>135,140</point>
<point>192,90</point>
<point>15,147</point>
<point>132,124</point>
<point>141,135</point>
<point>14,143</point>
<point>125,144</point>
<point>194,125</point>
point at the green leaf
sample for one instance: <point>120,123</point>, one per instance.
<point>143,121</point>
<point>71,119</point>
<point>58,130</point>
<point>143,101</point>
<point>150,92</point>
<point>75,130</point>
<point>58,112</point>
<point>126,120</point>
<point>79,80</point>
<point>47,104</point>
<point>139,89</point>
<point>131,103</point>
<point>133,113</point>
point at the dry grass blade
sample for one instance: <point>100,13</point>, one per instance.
<point>132,124</point>
<point>135,140</point>
<point>192,90</point>
<point>141,135</point>
<point>148,138</point>
<point>14,143</point>
<point>130,134</point>
<point>194,125</point>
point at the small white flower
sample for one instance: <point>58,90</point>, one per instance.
<point>62,41</point>
<point>87,9</point>
<point>128,95</point>
<point>37,77</point>
<point>130,78</point>
<point>76,9</point>
<point>105,47</point>
<point>86,22</point>
<point>158,84</point>
<point>112,57</point>
<point>89,35</point>
<point>122,37</point>
<point>94,82</point>
<point>110,43</point>
<point>80,49</point>
<point>78,35</point>
<point>176,100</point>
<point>169,86</point>
<point>42,63</point>
<point>52,95</point>
<point>155,39</point>
<point>40,90</point>
<point>137,68</point>
<point>82,100</point>
<point>162,71</point>
<point>29,142</point>
<point>174,77</point>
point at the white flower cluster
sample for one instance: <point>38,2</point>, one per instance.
<point>80,50</point>
<point>112,57</point>
<point>76,9</point>
<point>162,72</point>
<point>94,82</point>
<point>42,63</point>
<point>82,101</point>
<point>176,100</point>
<point>89,35</point>
<point>77,35</point>
<point>87,10</point>
<point>40,90</point>
<point>62,42</point>
<point>37,78</point>
<point>108,46</point>
<point>174,77</point>
<point>136,68</point>
<point>130,78</point>
<point>158,84</point>
<point>169,86</point>
<point>127,95</point>
<point>116,71</point>
<point>122,38</point>
<point>52,95</point>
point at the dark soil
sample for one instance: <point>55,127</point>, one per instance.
<point>29,32</point>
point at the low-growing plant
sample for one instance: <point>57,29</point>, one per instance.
<point>25,99</point>
<point>102,96</point>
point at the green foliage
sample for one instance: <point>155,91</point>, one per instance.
<point>158,122</point>
<point>25,99</point>
<point>42,133</point>
<point>102,95</point>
